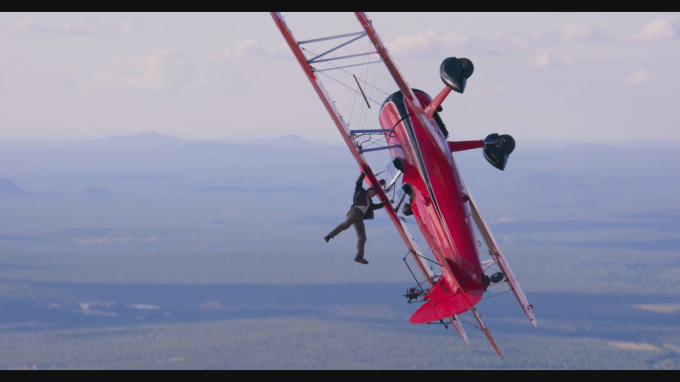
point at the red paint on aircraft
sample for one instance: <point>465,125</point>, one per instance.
<point>438,207</point>
<point>442,206</point>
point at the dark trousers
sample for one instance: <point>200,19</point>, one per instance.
<point>356,218</point>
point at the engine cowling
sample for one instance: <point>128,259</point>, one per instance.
<point>454,72</point>
<point>497,149</point>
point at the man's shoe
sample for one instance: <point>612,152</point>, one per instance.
<point>327,238</point>
<point>360,260</point>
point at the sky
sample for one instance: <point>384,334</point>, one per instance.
<point>557,77</point>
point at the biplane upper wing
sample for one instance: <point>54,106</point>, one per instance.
<point>346,133</point>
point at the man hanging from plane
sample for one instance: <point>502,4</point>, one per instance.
<point>362,209</point>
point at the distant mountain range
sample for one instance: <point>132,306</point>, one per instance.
<point>93,191</point>
<point>153,139</point>
<point>152,162</point>
<point>7,187</point>
<point>148,139</point>
<point>103,166</point>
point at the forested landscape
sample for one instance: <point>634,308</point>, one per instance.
<point>150,251</point>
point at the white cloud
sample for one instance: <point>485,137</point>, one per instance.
<point>578,33</point>
<point>435,44</point>
<point>537,34</point>
<point>547,59</point>
<point>162,69</point>
<point>130,26</point>
<point>496,89</point>
<point>68,28</point>
<point>638,77</point>
<point>253,47</point>
<point>426,43</point>
<point>31,25</point>
<point>250,48</point>
<point>539,62</point>
<point>23,25</point>
<point>659,29</point>
<point>508,42</point>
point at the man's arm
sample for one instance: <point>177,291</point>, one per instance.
<point>360,183</point>
<point>377,206</point>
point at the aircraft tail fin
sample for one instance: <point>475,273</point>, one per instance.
<point>442,304</point>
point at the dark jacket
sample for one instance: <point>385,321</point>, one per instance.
<point>360,198</point>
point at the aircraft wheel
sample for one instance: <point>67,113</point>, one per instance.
<point>497,277</point>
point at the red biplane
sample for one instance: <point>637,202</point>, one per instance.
<point>426,185</point>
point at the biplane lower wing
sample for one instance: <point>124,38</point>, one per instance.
<point>499,259</point>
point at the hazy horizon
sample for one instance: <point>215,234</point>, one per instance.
<point>594,77</point>
<point>167,179</point>
<point>630,143</point>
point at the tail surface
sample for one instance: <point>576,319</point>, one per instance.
<point>442,303</point>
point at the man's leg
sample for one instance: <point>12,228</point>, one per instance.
<point>352,215</point>
<point>361,240</point>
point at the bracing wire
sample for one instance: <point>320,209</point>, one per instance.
<point>375,78</point>
<point>348,73</point>
<point>363,78</point>
<point>365,116</point>
<point>346,86</point>
<point>497,294</point>
<point>361,75</point>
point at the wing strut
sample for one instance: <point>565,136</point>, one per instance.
<point>499,259</point>
<point>459,328</point>
<point>485,330</point>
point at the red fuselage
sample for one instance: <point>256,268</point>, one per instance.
<point>439,205</point>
